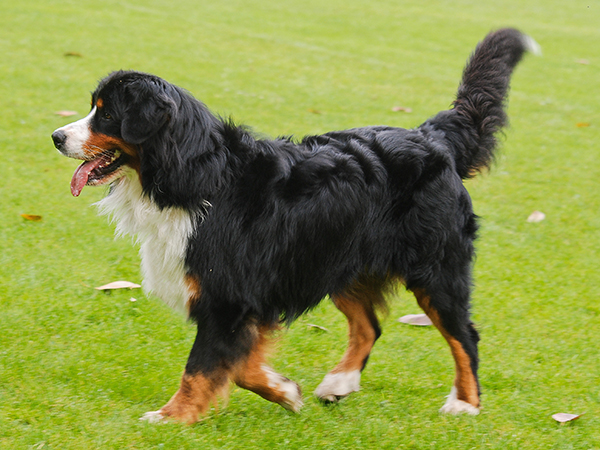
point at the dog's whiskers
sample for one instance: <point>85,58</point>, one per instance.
<point>103,152</point>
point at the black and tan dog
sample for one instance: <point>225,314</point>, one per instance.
<point>244,234</point>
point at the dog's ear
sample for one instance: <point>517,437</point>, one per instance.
<point>148,109</point>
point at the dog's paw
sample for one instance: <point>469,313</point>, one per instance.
<point>154,417</point>
<point>294,400</point>
<point>455,406</point>
<point>289,391</point>
<point>336,386</point>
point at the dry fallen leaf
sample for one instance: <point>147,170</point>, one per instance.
<point>314,111</point>
<point>563,417</point>
<point>536,216</point>
<point>318,327</point>
<point>118,285</point>
<point>31,217</point>
<point>402,109</point>
<point>66,113</point>
<point>416,319</point>
<point>76,54</point>
<point>583,124</point>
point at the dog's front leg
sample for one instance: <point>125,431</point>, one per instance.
<point>214,358</point>
<point>194,396</point>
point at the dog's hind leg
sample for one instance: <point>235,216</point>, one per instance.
<point>451,317</point>
<point>358,305</point>
<point>255,375</point>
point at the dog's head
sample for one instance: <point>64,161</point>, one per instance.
<point>128,109</point>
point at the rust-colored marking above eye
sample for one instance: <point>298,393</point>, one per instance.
<point>99,103</point>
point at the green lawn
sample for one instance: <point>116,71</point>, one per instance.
<point>79,367</point>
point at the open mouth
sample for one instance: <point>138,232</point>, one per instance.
<point>100,170</point>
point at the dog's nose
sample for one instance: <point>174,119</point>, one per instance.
<point>59,137</point>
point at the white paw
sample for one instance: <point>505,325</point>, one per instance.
<point>337,385</point>
<point>294,399</point>
<point>289,389</point>
<point>455,406</point>
<point>154,417</point>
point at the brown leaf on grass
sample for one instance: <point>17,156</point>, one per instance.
<point>402,109</point>
<point>583,124</point>
<point>66,113</point>
<point>314,111</point>
<point>118,285</point>
<point>564,417</point>
<point>416,319</point>
<point>31,217</point>
<point>536,216</point>
<point>75,54</point>
<point>318,327</point>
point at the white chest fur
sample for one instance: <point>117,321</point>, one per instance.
<point>162,234</point>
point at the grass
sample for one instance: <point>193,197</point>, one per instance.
<point>78,367</point>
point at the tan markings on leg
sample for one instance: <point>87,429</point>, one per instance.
<point>194,289</point>
<point>465,382</point>
<point>255,375</point>
<point>361,335</point>
<point>195,395</point>
<point>357,304</point>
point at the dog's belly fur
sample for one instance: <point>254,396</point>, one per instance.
<point>162,234</point>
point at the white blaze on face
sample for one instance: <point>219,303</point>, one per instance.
<point>78,133</point>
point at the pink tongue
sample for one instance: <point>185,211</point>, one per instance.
<point>80,177</point>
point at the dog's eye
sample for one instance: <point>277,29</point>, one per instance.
<point>106,116</point>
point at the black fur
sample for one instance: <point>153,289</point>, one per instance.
<point>292,222</point>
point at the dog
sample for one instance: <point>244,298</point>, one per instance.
<point>245,234</point>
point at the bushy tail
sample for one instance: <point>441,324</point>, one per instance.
<point>478,111</point>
